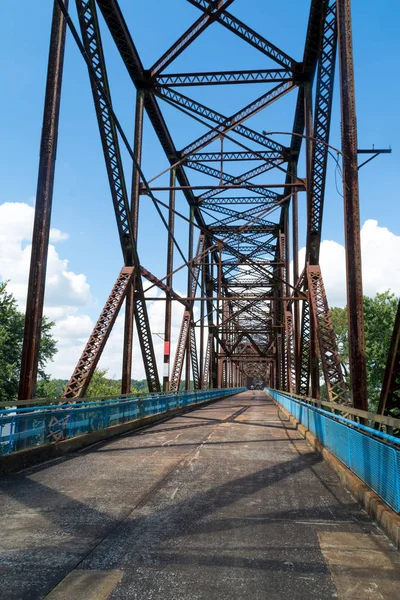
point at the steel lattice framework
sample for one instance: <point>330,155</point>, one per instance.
<point>248,314</point>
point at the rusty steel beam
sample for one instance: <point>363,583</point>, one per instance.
<point>389,401</point>
<point>249,35</point>
<point>241,180</point>
<point>169,281</point>
<point>235,156</point>
<point>90,357</point>
<point>162,286</point>
<point>299,185</point>
<point>235,122</point>
<point>207,362</point>
<point>91,38</point>
<point>334,380</point>
<point>193,357</point>
<point>211,14</point>
<point>127,49</point>
<point>184,334</point>
<point>189,346</point>
<point>223,77</point>
<point>303,379</point>
<point>127,353</point>
<point>43,205</point>
<point>101,95</point>
<point>355,309</point>
<point>321,130</point>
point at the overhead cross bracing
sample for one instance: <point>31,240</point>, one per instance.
<point>247,148</point>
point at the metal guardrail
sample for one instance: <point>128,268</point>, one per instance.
<point>23,428</point>
<point>390,423</point>
<point>372,455</point>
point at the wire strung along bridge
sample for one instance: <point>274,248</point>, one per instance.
<point>211,491</point>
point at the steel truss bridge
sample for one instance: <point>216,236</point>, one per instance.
<point>252,312</point>
<point>209,493</point>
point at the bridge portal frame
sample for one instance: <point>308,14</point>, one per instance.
<point>283,350</point>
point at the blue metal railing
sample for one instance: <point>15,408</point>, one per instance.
<point>372,455</point>
<point>22,428</point>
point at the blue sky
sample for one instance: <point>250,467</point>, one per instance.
<point>82,205</point>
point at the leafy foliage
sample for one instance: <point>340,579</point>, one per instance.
<point>100,385</point>
<point>11,338</point>
<point>379,317</point>
<point>50,388</point>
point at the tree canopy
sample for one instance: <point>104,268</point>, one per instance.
<point>11,338</point>
<point>379,317</point>
<point>100,385</point>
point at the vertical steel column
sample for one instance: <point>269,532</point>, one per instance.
<point>214,345</point>
<point>202,314</point>
<point>285,211</point>
<point>314,362</point>
<point>135,195</point>
<point>44,199</point>
<point>189,291</point>
<point>220,351</point>
<point>295,242</point>
<point>169,281</point>
<point>137,149</point>
<point>358,377</point>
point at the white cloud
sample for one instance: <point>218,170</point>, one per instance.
<point>68,294</point>
<point>71,333</point>
<point>56,235</point>
<point>68,297</point>
<point>65,290</point>
<point>379,272</point>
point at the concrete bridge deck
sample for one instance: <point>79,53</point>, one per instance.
<point>225,502</point>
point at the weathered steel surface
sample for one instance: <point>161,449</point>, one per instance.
<point>87,363</point>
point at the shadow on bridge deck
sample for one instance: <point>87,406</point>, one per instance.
<point>225,502</point>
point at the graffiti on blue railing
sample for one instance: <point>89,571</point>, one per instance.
<point>25,428</point>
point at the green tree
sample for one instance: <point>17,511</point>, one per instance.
<point>379,316</point>
<point>50,388</point>
<point>101,385</point>
<point>11,338</point>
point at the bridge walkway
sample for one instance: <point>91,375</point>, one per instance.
<point>224,502</point>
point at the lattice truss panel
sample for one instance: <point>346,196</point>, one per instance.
<point>80,379</point>
<point>336,386</point>
<point>187,331</point>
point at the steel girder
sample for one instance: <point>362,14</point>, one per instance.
<point>211,13</point>
<point>389,401</point>
<point>322,122</point>
<point>89,359</point>
<point>102,100</point>
<point>223,77</point>
<point>226,124</point>
<point>249,35</point>
<point>187,330</point>
<point>335,384</point>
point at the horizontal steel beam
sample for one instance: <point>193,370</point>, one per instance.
<point>300,186</point>
<point>224,77</point>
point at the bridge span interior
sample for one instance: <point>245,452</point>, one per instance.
<point>227,501</point>
<point>233,202</point>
